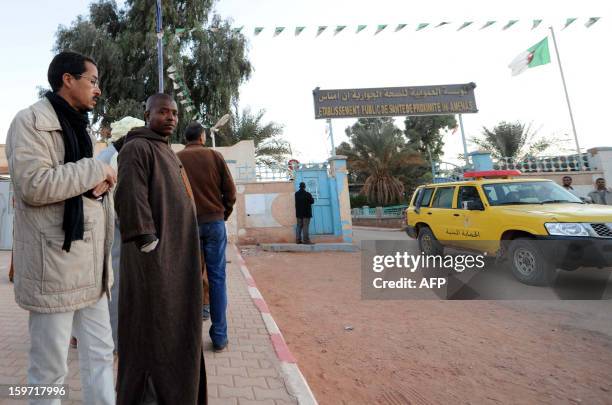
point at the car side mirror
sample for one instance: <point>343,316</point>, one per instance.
<point>473,205</point>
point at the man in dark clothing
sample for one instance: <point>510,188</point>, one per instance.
<point>567,183</point>
<point>303,213</point>
<point>160,296</point>
<point>214,194</point>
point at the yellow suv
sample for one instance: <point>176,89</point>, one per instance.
<point>536,224</point>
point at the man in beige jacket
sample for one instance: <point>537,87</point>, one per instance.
<point>63,230</point>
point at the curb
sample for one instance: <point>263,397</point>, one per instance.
<point>315,247</point>
<point>374,228</point>
<point>294,379</point>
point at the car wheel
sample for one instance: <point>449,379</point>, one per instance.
<point>528,263</point>
<point>428,243</point>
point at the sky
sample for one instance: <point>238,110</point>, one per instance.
<point>287,68</point>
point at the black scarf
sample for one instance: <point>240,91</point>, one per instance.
<point>77,145</point>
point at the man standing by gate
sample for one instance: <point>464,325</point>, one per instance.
<point>303,213</point>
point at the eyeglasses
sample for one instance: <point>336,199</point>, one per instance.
<point>94,81</point>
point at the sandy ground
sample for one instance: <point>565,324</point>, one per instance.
<point>355,351</point>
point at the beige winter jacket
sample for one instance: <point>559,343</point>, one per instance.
<point>47,278</point>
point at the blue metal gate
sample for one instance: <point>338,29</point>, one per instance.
<point>318,184</point>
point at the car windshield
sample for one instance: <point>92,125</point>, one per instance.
<point>529,192</point>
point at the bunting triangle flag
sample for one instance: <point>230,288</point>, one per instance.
<point>380,28</point>
<point>400,27</point>
<point>258,30</point>
<point>278,30</point>
<point>321,29</point>
<point>535,24</point>
<point>568,22</point>
<point>360,28</point>
<point>535,56</point>
<point>338,29</point>
<point>488,24</point>
<point>442,24</point>
<point>421,26</point>
<point>464,25</point>
<point>509,24</point>
<point>591,21</point>
<point>238,29</point>
<point>298,30</point>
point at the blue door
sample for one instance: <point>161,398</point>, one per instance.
<point>317,184</point>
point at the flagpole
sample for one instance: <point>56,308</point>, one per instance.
<point>331,135</point>
<point>160,46</point>
<point>569,107</point>
<point>465,152</point>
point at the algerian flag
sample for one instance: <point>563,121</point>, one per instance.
<point>338,29</point>
<point>258,30</point>
<point>298,30</point>
<point>321,29</point>
<point>535,56</point>
<point>278,30</point>
<point>400,27</point>
<point>421,26</point>
<point>360,28</point>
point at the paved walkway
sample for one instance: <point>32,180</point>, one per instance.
<point>256,369</point>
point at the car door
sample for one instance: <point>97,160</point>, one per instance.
<point>440,215</point>
<point>475,226</point>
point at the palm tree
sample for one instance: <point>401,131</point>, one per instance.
<point>270,147</point>
<point>512,140</point>
<point>377,153</point>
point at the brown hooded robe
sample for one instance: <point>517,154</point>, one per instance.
<point>160,297</point>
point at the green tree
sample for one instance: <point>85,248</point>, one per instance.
<point>209,56</point>
<point>270,147</point>
<point>377,152</point>
<point>424,133</point>
<point>512,139</point>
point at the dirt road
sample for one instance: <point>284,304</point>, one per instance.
<point>355,351</point>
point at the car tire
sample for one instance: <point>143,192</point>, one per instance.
<point>528,263</point>
<point>428,243</point>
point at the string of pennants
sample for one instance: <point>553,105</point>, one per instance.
<point>320,29</point>
<point>174,72</point>
<point>178,83</point>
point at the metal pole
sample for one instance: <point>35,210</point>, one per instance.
<point>160,47</point>
<point>569,107</point>
<point>433,168</point>
<point>331,135</point>
<point>465,152</point>
<point>212,134</point>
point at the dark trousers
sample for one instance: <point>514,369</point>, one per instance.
<point>301,231</point>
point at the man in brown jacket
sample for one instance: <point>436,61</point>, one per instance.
<point>214,193</point>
